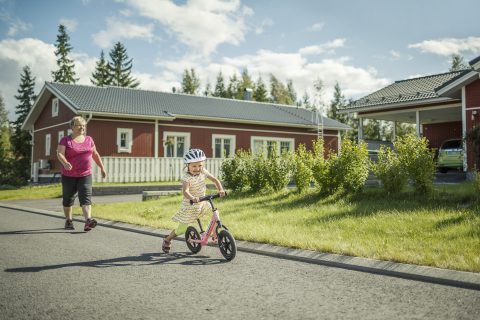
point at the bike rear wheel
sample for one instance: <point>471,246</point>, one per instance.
<point>192,234</point>
<point>227,245</point>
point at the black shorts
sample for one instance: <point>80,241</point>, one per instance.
<point>72,185</point>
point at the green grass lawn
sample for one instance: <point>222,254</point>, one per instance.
<point>49,191</point>
<point>440,230</point>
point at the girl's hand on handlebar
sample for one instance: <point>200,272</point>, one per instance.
<point>194,200</point>
<point>222,193</point>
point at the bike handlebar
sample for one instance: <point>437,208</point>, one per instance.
<point>207,197</point>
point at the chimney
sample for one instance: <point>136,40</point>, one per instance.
<point>247,94</point>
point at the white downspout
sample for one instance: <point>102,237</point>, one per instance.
<point>417,120</point>
<point>33,174</point>
<point>394,131</point>
<point>339,137</point>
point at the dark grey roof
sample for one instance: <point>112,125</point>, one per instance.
<point>410,90</point>
<point>124,102</point>
<point>473,61</point>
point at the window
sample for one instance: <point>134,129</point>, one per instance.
<point>69,132</point>
<point>223,146</point>
<point>48,142</point>
<point>268,144</point>
<point>61,134</point>
<point>124,140</point>
<point>175,144</point>
<point>55,107</point>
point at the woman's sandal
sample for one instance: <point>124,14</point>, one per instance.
<point>166,246</point>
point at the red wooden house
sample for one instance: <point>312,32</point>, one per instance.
<point>443,106</point>
<point>138,132</point>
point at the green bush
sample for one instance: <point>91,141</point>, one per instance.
<point>346,172</point>
<point>417,160</point>
<point>257,172</point>
<point>351,166</point>
<point>302,163</point>
<point>389,170</point>
<point>279,169</point>
<point>319,166</point>
<point>233,171</point>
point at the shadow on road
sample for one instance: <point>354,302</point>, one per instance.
<point>143,259</point>
<point>40,231</point>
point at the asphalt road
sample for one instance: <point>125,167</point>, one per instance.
<point>47,272</point>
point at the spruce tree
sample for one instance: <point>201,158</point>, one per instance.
<point>337,103</point>
<point>458,63</point>
<point>26,97</point>
<point>291,94</point>
<point>100,75</point>
<point>372,130</point>
<point>190,82</point>
<point>306,103</point>
<point>220,87</point>
<point>233,87</point>
<point>119,69</point>
<point>208,90</point>
<point>65,72</point>
<point>260,92</point>
<point>21,140</point>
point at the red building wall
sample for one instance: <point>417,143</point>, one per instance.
<point>472,93</point>
<point>436,133</point>
<point>104,133</point>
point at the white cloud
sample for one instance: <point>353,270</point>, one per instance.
<point>118,29</point>
<point>265,23</point>
<point>14,55</point>
<point>70,24</point>
<point>316,27</point>
<point>15,25</point>
<point>354,81</point>
<point>449,46</point>
<point>200,24</point>
<point>40,57</point>
<point>310,50</point>
<point>395,54</point>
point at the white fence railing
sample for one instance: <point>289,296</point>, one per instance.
<point>147,169</point>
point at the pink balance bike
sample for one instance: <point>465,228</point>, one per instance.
<point>225,240</point>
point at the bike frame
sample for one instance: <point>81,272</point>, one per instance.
<point>214,221</point>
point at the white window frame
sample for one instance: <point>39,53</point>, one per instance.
<point>55,107</point>
<point>61,134</point>
<point>224,136</point>
<point>276,139</point>
<point>186,135</point>
<point>48,144</point>
<point>129,141</point>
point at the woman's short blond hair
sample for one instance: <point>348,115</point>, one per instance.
<point>77,119</point>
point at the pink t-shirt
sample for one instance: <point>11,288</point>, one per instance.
<point>79,155</point>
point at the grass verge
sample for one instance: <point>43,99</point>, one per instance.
<point>440,230</point>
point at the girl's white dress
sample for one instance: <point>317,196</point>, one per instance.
<point>190,213</point>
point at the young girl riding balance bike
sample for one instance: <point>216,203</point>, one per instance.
<point>193,188</point>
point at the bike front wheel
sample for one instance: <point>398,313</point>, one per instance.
<point>192,234</point>
<point>227,245</point>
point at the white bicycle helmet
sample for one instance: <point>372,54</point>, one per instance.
<point>194,155</point>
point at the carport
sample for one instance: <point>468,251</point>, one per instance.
<point>442,106</point>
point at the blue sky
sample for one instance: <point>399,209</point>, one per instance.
<point>364,45</point>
